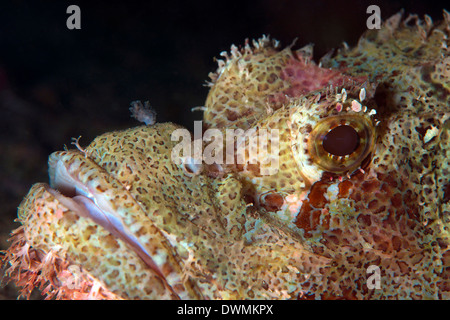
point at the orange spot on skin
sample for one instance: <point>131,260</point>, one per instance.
<point>272,202</point>
<point>303,220</point>
<point>316,196</point>
<point>344,188</point>
<point>313,211</point>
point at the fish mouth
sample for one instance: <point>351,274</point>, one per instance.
<point>90,200</point>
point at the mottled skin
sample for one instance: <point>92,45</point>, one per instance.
<point>310,230</point>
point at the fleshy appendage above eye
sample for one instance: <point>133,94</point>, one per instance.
<point>339,144</point>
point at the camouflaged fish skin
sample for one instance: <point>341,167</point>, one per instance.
<point>358,208</point>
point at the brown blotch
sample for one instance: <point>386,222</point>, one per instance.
<point>272,202</point>
<point>344,188</point>
<point>385,188</point>
<point>231,115</point>
<point>396,200</point>
<point>370,186</point>
<point>316,195</point>
<point>372,205</point>
<point>254,169</point>
<point>364,219</point>
<point>404,268</point>
<point>446,192</point>
<point>396,243</point>
<point>389,179</point>
<point>303,220</point>
<point>310,213</point>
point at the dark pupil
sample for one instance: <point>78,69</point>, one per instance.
<point>341,141</point>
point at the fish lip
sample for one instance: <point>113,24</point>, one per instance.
<point>83,201</point>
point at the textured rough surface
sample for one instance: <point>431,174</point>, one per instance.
<point>313,229</point>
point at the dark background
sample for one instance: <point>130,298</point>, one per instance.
<point>57,83</point>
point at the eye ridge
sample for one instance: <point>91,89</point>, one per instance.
<point>341,141</point>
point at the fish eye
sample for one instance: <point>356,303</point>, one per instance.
<point>339,144</point>
<point>341,141</point>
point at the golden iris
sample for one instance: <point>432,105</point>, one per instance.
<point>340,143</point>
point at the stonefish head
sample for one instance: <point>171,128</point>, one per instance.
<point>344,195</point>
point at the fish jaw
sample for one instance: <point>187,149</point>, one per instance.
<point>76,220</point>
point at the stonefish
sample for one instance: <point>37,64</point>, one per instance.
<point>357,208</point>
